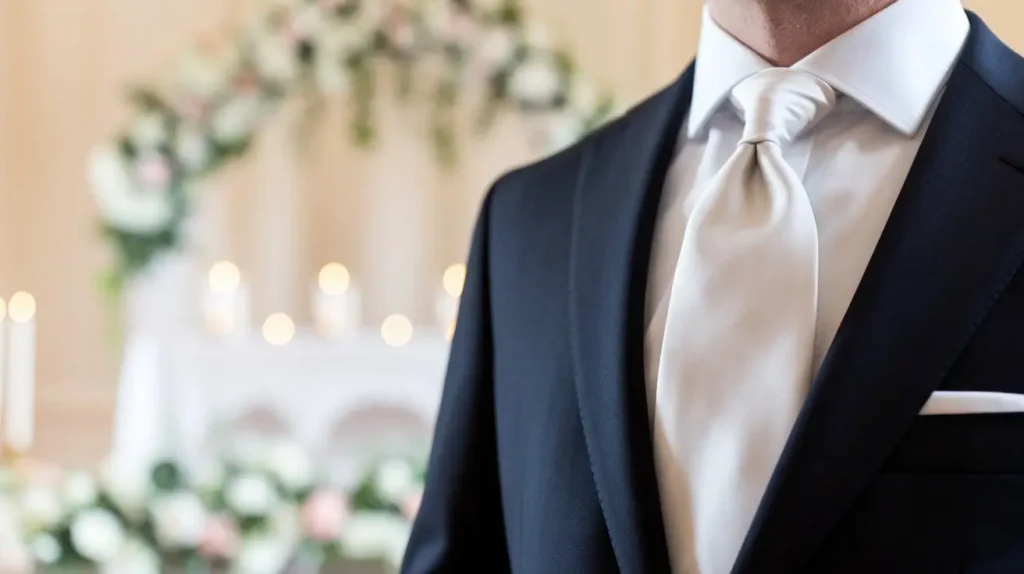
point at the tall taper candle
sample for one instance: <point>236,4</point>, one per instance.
<point>19,407</point>
<point>337,304</point>
<point>226,301</point>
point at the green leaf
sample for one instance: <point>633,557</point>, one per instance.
<point>168,476</point>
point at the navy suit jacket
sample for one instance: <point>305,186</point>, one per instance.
<point>542,458</point>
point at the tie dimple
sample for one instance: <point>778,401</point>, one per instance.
<point>778,104</point>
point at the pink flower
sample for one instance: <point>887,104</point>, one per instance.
<point>246,83</point>
<point>323,515</point>
<point>153,171</point>
<point>192,109</point>
<point>220,539</point>
<point>411,504</point>
<point>293,34</point>
<point>401,30</point>
<point>456,25</point>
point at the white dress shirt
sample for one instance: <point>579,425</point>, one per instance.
<point>889,71</point>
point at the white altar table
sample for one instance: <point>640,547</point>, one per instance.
<point>179,391</point>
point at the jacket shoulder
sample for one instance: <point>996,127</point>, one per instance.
<point>995,63</point>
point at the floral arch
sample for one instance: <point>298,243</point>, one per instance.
<point>226,88</point>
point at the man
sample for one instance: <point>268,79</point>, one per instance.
<point>770,321</point>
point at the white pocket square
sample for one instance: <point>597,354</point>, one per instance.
<point>972,403</point>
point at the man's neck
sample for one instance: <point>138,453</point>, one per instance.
<point>784,31</point>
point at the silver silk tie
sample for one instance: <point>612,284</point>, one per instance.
<point>739,340</point>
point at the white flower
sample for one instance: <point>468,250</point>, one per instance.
<point>286,524</point>
<point>333,45</point>
<point>563,130</point>
<point>236,120</point>
<point>97,535</point>
<point>584,98</point>
<point>135,557</point>
<point>498,46</point>
<point>40,507</point>
<point>536,81</point>
<point>79,490</point>
<point>192,148</point>
<point>45,549</point>
<point>262,554</point>
<point>208,475</point>
<point>538,38</point>
<point>331,77</point>
<point>394,479</point>
<point>336,42</point>
<point>248,450</point>
<point>309,20</point>
<point>121,203</point>
<point>179,520</point>
<point>251,495</point>
<point>449,22</point>
<point>127,489</point>
<point>276,58</point>
<point>206,72</point>
<point>375,535</point>
<point>371,13</point>
<point>149,130</point>
<point>290,465</point>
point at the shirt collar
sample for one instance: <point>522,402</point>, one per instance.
<point>894,64</point>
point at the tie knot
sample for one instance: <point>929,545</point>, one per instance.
<point>777,104</point>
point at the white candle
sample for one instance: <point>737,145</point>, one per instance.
<point>226,304</point>
<point>446,303</point>
<point>337,303</point>
<point>19,407</point>
<point>446,308</point>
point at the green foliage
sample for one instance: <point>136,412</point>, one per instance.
<point>360,61</point>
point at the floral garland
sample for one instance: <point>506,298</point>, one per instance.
<point>228,86</point>
<point>262,515</point>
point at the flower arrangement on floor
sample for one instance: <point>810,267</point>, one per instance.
<point>265,514</point>
<point>228,86</point>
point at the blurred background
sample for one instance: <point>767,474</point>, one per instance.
<point>247,218</point>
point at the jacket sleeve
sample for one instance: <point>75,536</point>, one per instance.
<point>460,526</point>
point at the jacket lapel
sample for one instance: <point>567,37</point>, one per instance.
<point>952,243</point>
<point>614,214</point>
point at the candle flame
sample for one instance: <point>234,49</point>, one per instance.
<point>278,329</point>
<point>334,279</point>
<point>225,277</point>
<point>22,307</point>
<point>396,330</point>
<point>454,279</point>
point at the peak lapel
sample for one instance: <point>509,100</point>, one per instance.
<point>953,241</point>
<point>614,216</point>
